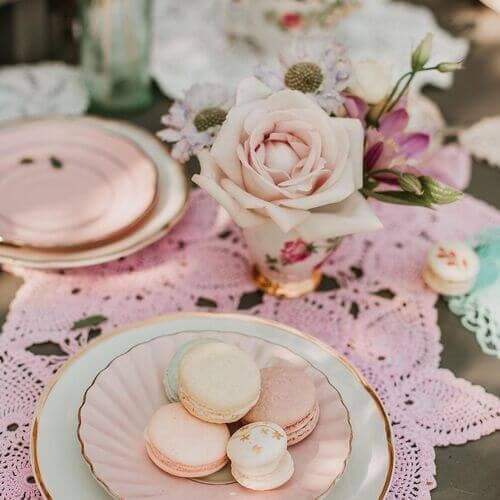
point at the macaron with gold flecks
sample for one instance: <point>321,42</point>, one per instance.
<point>259,457</point>
<point>452,268</point>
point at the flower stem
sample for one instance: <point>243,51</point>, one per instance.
<point>391,95</point>
<point>391,101</point>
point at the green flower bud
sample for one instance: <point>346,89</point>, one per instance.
<point>438,192</point>
<point>449,67</point>
<point>422,53</point>
<point>410,183</point>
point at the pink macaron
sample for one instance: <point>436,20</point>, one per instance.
<point>287,398</point>
<point>183,445</point>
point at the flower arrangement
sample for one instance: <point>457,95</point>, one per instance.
<point>294,154</point>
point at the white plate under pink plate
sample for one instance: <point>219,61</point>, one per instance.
<point>55,452</point>
<point>65,184</point>
<point>123,397</point>
<point>172,196</point>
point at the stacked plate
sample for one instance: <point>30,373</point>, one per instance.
<point>82,191</point>
<point>88,430</point>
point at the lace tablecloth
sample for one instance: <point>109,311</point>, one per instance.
<point>372,306</point>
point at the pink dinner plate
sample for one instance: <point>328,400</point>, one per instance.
<point>65,184</point>
<point>117,406</point>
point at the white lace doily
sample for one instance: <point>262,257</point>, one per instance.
<point>190,45</point>
<point>41,89</point>
<point>482,140</point>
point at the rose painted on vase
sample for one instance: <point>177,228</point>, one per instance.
<point>295,251</point>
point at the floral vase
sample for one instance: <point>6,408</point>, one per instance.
<point>284,264</point>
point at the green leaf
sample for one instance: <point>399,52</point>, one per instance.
<point>26,161</point>
<point>399,198</point>
<point>89,321</point>
<point>56,162</point>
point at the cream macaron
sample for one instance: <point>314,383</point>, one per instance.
<point>259,456</point>
<point>452,268</point>
<point>183,445</point>
<point>218,382</point>
<point>171,377</point>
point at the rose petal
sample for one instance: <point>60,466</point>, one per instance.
<point>285,218</point>
<point>353,215</point>
<point>224,147</point>
<point>209,180</point>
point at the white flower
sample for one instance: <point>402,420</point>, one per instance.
<point>281,157</point>
<point>371,80</point>
<point>193,122</point>
<point>313,65</point>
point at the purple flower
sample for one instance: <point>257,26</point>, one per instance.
<point>192,122</point>
<point>316,66</point>
<point>390,147</point>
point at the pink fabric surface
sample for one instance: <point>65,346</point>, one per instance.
<point>373,307</point>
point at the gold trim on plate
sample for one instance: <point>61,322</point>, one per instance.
<point>52,262</point>
<point>175,316</point>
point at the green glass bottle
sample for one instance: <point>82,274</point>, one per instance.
<point>115,53</point>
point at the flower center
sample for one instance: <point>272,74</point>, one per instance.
<point>208,118</point>
<point>304,76</point>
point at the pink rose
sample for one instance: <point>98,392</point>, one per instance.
<point>294,251</point>
<point>281,157</point>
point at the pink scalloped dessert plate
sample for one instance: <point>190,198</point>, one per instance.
<point>117,407</point>
<point>65,184</point>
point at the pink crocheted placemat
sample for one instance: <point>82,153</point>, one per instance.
<point>372,306</point>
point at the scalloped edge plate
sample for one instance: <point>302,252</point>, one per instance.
<point>114,447</point>
<point>55,454</point>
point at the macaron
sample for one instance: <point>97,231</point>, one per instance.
<point>218,382</point>
<point>287,398</point>
<point>259,456</point>
<point>183,445</point>
<point>452,268</point>
<point>171,377</point>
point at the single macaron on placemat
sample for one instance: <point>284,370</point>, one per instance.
<point>452,268</point>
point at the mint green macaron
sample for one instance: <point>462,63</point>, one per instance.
<point>171,377</point>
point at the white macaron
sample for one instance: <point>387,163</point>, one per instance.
<point>259,457</point>
<point>452,268</point>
